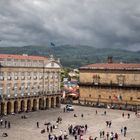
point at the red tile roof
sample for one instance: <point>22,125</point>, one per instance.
<point>112,66</point>
<point>23,57</point>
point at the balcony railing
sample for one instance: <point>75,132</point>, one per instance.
<point>1,77</point>
<point>113,85</point>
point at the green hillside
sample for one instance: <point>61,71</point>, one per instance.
<point>76,56</point>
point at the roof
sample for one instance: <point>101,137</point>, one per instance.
<point>23,57</point>
<point>112,66</point>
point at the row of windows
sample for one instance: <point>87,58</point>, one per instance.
<point>35,85</point>
<point>29,93</point>
<point>28,90</point>
<point>28,74</point>
<point>35,77</point>
<point>12,62</point>
<point>134,77</point>
<point>114,97</point>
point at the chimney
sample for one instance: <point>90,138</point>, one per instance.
<point>110,59</point>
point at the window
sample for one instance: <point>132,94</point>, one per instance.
<point>28,87</point>
<point>46,75</point>
<point>9,76</point>
<point>89,95</point>
<point>22,88</point>
<point>121,79</point>
<point>8,87</point>
<point>109,97</point>
<point>131,98</point>
<point>56,75</point>
<point>35,75</point>
<point>22,75</point>
<point>99,96</point>
<point>52,64</point>
<point>136,77</point>
<point>15,89</point>
<point>15,85</point>
<point>1,89</point>
<point>96,79</point>
<point>16,75</point>
<point>41,75</point>
<point>1,75</point>
<point>29,75</point>
<point>106,76</point>
<point>35,89</point>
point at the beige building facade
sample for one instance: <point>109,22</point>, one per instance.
<point>28,83</point>
<point>111,84</point>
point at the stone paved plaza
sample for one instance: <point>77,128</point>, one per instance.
<point>26,129</point>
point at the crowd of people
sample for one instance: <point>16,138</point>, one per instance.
<point>5,124</point>
<point>76,132</point>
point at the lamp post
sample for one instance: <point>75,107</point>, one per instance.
<point>0,97</point>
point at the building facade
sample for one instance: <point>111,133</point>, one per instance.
<point>111,84</point>
<point>28,83</point>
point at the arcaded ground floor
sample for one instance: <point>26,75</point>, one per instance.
<point>12,106</point>
<point>26,129</point>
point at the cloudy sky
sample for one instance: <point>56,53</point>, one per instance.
<point>99,23</point>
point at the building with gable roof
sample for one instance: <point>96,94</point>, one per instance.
<point>28,83</point>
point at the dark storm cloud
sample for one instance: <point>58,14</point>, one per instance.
<point>99,23</point>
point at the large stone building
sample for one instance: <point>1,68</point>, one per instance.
<point>28,83</point>
<point>111,84</point>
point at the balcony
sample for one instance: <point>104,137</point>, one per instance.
<point>1,77</point>
<point>29,77</point>
<point>22,77</point>
<point>35,77</point>
<point>9,78</point>
<point>41,77</point>
<point>16,78</point>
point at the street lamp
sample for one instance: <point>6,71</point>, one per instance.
<point>0,96</point>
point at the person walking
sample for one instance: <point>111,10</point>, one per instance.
<point>5,124</point>
<point>125,129</point>
<point>64,110</point>
<point>9,125</point>
<point>96,112</point>
<point>128,115</point>
<point>37,123</point>
<point>51,128</point>
<point>123,114</point>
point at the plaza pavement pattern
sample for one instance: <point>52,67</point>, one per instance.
<point>26,129</point>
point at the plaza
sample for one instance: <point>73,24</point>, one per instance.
<point>26,129</point>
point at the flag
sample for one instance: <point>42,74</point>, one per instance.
<point>115,97</point>
<point>52,44</point>
<point>119,97</point>
<point>64,94</point>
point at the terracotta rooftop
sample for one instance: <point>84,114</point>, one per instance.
<point>112,66</point>
<point>23,57</point>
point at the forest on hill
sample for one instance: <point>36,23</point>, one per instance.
<point>76,56</point>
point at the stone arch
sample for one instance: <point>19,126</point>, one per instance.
<point>52,102</point>
<point>9,107</point>
<point>16,107</point>
<point>57,102</point>
<point>47,103</point>
<point>2,108</point>
<point>41,103</point>
<point>28,105</point>
<point>22,106</point>
<point>34,104</point>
